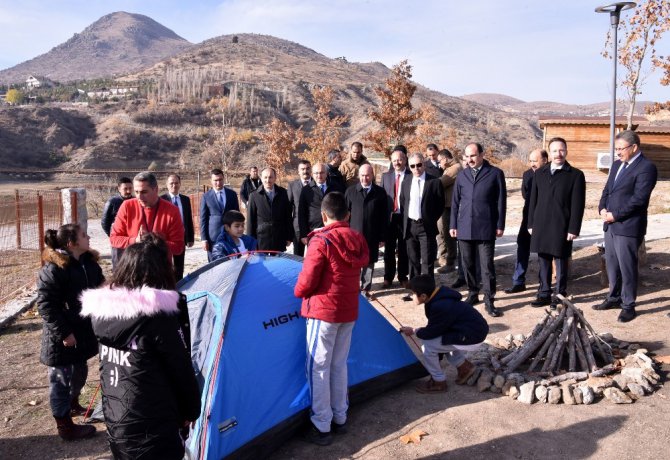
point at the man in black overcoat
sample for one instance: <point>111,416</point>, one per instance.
<point>422,202</point>
<point>555,219</point>
<point>184,204</point>
<point>269,214</point>
<point>623,208</point>
<point>369,215</point>
<point>294,189</point>
<point>478,208</point>
<point>311,195</point>
<point>392,181</point>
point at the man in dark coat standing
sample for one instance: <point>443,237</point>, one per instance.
<point>311,195</point>
<point>335,179</point>
<point>250,183</point>
<point>111,208</point>
<point>368,208</point>
<point>478,210</point>
<point>422,202</point>
<point>183,203</point>
<point>213,205</point>
<point>432,162</point>
<point>623,208</point>
<point>555,218</point>
<point>269,214</point>
<point>392,181</point>
<point>536,159</point>
<point>294,189</point>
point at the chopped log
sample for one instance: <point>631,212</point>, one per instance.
<point>568,376</point>
<point>543,351</point>
<point>583,363</point>
<point>550,353</point>
<point>609,369</point>
<point>572,357</point>
<point>588,351</point>
<point>532,345</point>
<point>561,342</point>
<point>546,321</point>
<point>495,362</point>
<point>606,357</point>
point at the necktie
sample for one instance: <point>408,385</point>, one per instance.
<point>395,193</point>
<point>323,188</point>
<point>474,172</point>
<point>365,192</point>
<point>174,201</point>
<point>621,170</point>
<point>222,200</point>
<point>271,195</point>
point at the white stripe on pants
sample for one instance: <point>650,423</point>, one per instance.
<point>327,351</point>
<point>431,360</point>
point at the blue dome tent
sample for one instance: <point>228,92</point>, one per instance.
<point>248,350</point>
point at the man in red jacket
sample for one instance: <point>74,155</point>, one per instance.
<point>329,287</point>
<point>147,213</point>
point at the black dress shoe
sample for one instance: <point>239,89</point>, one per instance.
<point>492,310</point>
<point>626,315</point>
<point>541,302</point>
<point>472,299</point>
<point>458,284</point>
<point>607,305</point>
<point>516,288</point>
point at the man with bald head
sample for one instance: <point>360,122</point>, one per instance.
<point>269,219</point>
<point>311,195</point>
<point>368,208</point>
<point>536,159</point>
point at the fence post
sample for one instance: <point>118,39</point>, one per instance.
<point>40,222</point>
<point>73,207</point>
<point>17,200</point>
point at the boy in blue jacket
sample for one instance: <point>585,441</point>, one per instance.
<point>232,239</point>
<point>453,327</point>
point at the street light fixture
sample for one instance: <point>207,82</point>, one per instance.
<point>614,11</point>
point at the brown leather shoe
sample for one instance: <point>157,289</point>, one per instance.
<point>431,386</point>
<point>68,431</point>
<point>465,371</point>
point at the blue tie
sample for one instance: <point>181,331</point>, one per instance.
<point>323,189</point>
<point>221,202</point>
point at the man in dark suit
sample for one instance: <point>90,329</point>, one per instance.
<point>249,184</point>
<point>269,214</point>
<point>623,208</point>
<point>111,208</point>
<point>335,178</point>
<point>368,208</point>
<point>555,216</point>
<point>478,210</point>
<point>184,204</point>
<point>432,162</point>
<point>214,204</point>
<point>311,195</point>
<point>537,158</point>
<point>395,236</point>
<point>422,202</point>
<point>294,189</point>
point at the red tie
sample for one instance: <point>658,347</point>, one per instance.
<point>395,193</point>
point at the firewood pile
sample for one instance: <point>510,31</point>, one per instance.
<point>564,360</point>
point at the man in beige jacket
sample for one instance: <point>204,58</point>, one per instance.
<point>349,167</point>
<point>447,244</point>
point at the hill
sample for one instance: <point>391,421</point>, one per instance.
<point>115,44</point>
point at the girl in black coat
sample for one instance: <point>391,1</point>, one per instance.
<point>67,338</point>
<point>149,390</point>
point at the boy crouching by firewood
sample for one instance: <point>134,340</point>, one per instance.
<point>453,327</point>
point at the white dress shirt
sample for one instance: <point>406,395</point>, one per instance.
<point>415,194</point>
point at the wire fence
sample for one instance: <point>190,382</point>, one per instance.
<point>24,217</point>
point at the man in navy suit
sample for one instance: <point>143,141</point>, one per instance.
<point>392,181</point>
<point>478,208</point>
<point>214,204</point>
<point>422,202</point>
<point>623,208</point>
<point>294,188</point>
<point>184,204</point>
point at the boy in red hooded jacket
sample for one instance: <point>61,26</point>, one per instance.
<point>329,286</point>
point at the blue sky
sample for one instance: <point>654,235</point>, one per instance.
<point>531,50</point>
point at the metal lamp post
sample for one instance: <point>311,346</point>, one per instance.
<point>614,11</point>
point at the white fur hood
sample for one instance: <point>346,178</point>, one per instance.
<point>122,303</point>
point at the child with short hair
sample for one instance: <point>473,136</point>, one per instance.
<point>329,287</point>
<point>453,327</point>
<point>232,239</point>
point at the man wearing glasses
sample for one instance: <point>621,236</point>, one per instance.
<point>422,202</point>
<point>478,210</point>
<point>623,208</point>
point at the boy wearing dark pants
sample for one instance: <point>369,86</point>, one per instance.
<point>453,327</point>
<point>329,287</point>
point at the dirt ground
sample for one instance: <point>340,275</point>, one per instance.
<point>461,423</point>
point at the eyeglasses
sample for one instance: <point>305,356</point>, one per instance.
<point>619,150</point>
<point>416,165</point>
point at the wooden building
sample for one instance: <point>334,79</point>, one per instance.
<point>588,141</point>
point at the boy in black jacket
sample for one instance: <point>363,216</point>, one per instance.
<point>453,327</point>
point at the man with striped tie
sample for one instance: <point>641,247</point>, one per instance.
<point>184,204</point>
